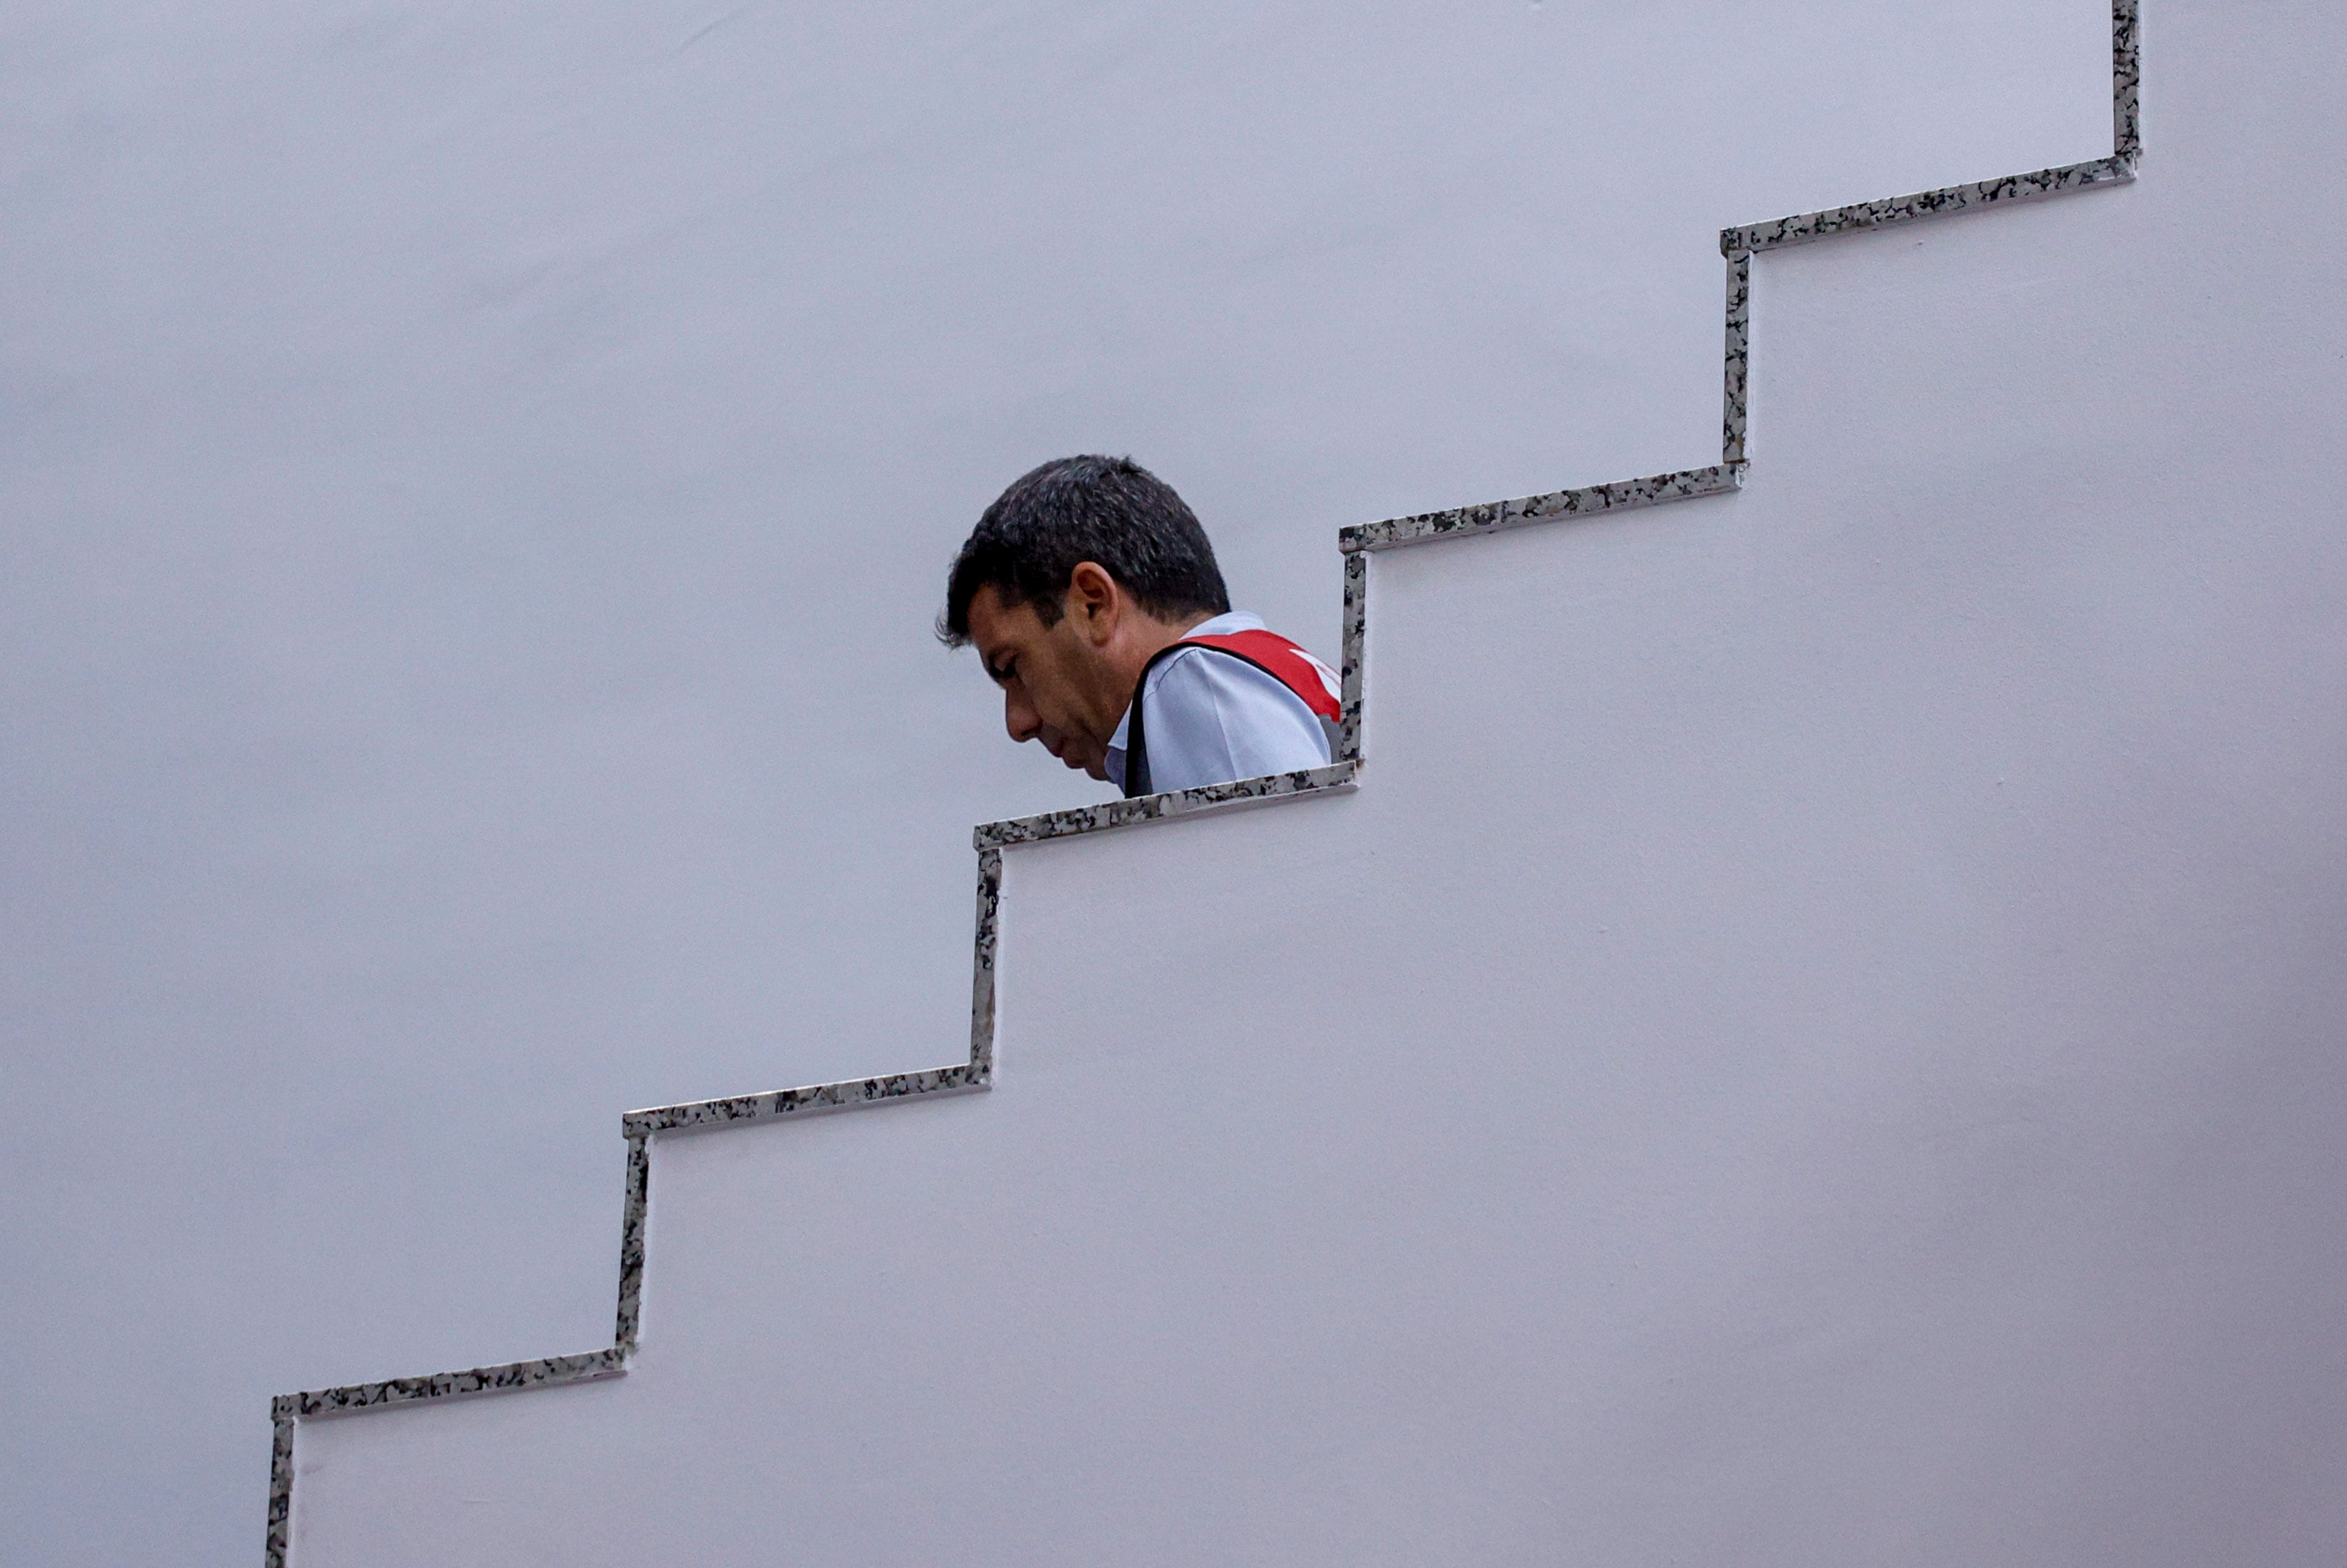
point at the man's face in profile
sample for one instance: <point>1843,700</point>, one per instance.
<point>1056,685</point>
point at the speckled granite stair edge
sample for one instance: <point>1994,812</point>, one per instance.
<point>1738,245</point>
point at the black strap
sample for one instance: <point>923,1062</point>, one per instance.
<point>1136,746</point>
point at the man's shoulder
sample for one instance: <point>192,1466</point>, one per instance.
<point>1204,676</point>
<point>1271,661</point>
<point>1233,711</point>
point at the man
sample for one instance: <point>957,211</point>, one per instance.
<point>1093,599</point>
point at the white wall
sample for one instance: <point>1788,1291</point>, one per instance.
<point>1815,1041</point>
<point>476,482</point>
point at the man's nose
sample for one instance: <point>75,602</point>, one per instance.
<point>1019,717</point>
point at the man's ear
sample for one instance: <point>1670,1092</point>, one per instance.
<point>1095,601</point>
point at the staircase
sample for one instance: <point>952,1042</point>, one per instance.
<point>1816,1114</point>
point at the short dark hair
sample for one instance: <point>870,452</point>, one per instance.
<point>1108,510</point>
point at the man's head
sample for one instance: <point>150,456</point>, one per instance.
<point>1073,578</point>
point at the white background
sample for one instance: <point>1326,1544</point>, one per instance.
<point>476,487</point>
<point>1815,1043</point>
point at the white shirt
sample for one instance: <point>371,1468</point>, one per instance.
<point>1213,718</point>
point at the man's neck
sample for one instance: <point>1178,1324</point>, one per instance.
<point>1151,636</point>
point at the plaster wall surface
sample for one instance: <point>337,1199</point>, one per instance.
<point>1814,1042</point>
<point>474,484</point>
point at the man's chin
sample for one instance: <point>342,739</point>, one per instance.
<point>1096,766</point>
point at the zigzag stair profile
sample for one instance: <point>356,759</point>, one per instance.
<point>642,1129</point>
